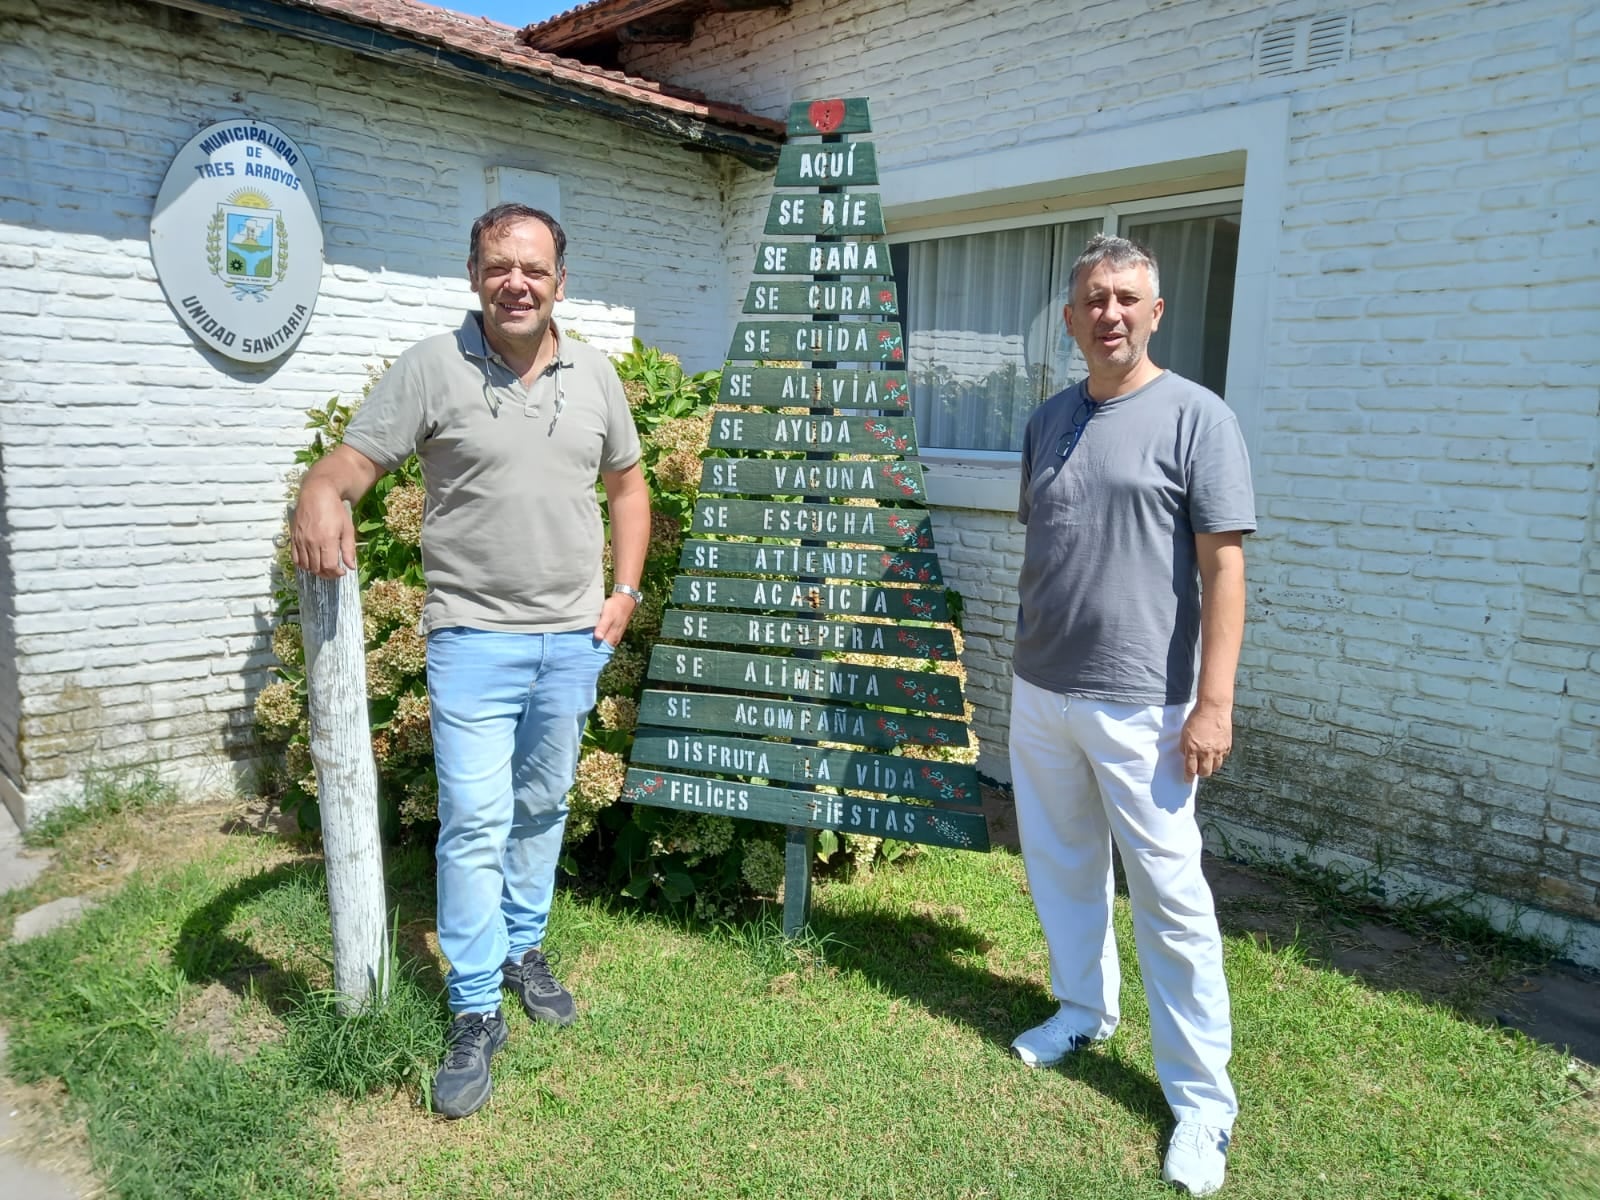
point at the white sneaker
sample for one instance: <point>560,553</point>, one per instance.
<point>1197,1158</point>
<point>1046,1045</point>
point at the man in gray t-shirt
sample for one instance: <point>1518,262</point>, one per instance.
<point>513,423</point>
<point>1136,496</point>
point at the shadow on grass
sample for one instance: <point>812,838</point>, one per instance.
<point>938,963</point>
<point>1438,952</point>
<point>205,952</point>
<point>208,951</point>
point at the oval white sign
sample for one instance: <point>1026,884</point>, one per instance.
<point>237,239</point>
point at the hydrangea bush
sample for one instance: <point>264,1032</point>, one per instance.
<point>645,852</point>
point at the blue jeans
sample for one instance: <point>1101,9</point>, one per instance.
<point>507,715</point>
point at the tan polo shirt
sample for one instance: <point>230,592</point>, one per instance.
<point>511,533</point>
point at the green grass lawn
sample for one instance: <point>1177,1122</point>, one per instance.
<point>185,1020</point>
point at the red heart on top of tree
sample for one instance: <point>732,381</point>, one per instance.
<point>826,115</point>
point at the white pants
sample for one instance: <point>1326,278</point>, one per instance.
<point>1088,771</point>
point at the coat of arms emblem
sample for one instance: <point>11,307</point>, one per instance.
<point>247,245</point>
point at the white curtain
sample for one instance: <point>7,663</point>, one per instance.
<point>985,342</point>
<point>1190,250</point>
<point>985,339</point>
<point>971,304</point>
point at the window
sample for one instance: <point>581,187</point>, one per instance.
<point>985,342</point>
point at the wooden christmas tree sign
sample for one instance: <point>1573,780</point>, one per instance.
<point>800,656</point>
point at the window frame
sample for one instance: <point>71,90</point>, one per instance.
<point>1210,202</point>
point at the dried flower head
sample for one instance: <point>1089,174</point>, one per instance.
<point>419,799</point>
<point>286,644</point>
<point>382,678</point>
<point>681,442</point>
<point>618,713</point>
<point>393,602</point>
<point>597,785</point>
<point>411,728</point>
<point>402,513</point>
<point>278,709</point>
<point>406,650</point>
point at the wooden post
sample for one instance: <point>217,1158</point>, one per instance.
<point>800,843</point>
<point>347,786</point>
<point>800,846</point>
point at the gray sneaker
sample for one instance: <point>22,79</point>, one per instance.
<point>462,1085</point>
<point>543,997</point>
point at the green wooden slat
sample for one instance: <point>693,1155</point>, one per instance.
<point>799,387</point>
<point>809,678</point>
<point>819,562</point>
<point>782,762</point>
<point>845,164</point>
<point>812,810</point>
<point>818,341</point>
<point>840,298</point>
<point>815,432</point>
<point>905,527</point>
<point>823,258</point>
<point>823,117</point>
<point>799,633</point>
<point>760,716</point>
<point>799,849</point>
<point>871,478</point>
<point>819,599</point>
<point>847,214</point>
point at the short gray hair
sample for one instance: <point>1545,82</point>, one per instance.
<point>1120,252</point>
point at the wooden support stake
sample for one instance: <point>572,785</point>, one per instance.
<point>347,786</point>
<point>800,846</point>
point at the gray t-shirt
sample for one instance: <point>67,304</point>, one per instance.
<point>511,531</point>
<point>1110,593</point>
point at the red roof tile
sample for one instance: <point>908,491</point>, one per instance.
<point>499,45</point>
<point>601,19</point>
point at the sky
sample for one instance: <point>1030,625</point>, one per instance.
<point>510,12</point>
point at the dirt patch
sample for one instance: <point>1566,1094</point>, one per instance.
<point>36,1129</point>
<point>373,1136</point>
<point>101,857</point>
<point>232,1026</point>
<point>261,818</point>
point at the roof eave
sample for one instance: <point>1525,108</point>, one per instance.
<point>689,130</point>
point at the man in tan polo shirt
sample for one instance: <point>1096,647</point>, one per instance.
<point>513,423</point>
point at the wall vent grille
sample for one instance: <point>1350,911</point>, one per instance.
<point>1289,46</point>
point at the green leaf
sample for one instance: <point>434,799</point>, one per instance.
<point>677,885</point>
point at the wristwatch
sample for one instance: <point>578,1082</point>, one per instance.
<point>631,593</point>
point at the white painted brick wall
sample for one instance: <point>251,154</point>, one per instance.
<point>981,553</point>
<point>1421,679</point>
<point>144,478</point>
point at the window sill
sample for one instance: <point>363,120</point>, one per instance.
<point>956,481</point>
